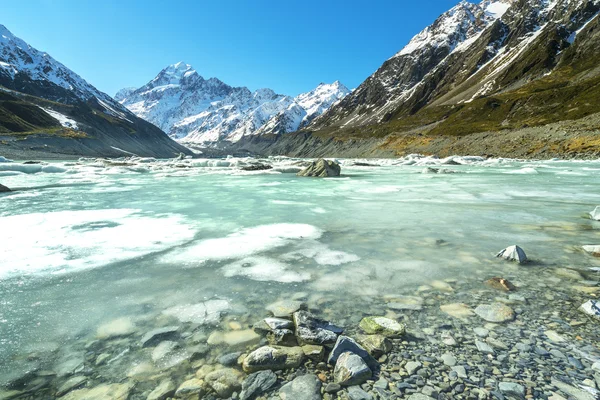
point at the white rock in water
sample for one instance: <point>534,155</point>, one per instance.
<point>595,215</point>
<point>592,249</point>
<point>513,253</point>
<point>592,308</point>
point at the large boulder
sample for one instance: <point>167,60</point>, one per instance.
<point>4,189</point>
<point>321,169</point>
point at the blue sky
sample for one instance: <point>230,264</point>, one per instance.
<point>289,46</point>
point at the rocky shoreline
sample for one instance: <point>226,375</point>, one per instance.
<point>576,139</point>
<point>521,338</point>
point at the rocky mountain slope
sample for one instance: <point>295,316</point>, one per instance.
<point>47,108</point>
<point>198,110</point>
<point>494,66</point>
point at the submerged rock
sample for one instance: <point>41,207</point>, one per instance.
<point>116,328</point>
<point>321,169</point>
<point>257,383</point>
<point>457,310</point>
<point>351,369</point>
<point>273,358</point>
<point>164,390</point>
<point>4,189</point>
<point>513,253</point>
<point>115,391</point>
<point>305,387</point>
<point>496,312</point>
<point>71,384</point>
<point>225,381</point>
<point>208,312</point>
<point>500,284</point>
<point>234,339</point>
<point>413,303</point>
<point>569,274</point>
<point>312,330</point>
<point>285,308</point>
<point>168,354</point>
<point>190,389</point>
<point>156,336</point>
<point>382,325</point>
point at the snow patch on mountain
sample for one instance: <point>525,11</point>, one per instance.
<point>61,118</point>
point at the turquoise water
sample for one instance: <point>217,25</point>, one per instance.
<point>94,241</point>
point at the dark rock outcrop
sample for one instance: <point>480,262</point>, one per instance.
<point>321,169</point>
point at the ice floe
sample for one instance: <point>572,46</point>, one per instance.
<point>66,241</point>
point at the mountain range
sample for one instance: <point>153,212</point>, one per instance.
<point>47,108</point>
<point>207,111</point>
<point>499,77</point>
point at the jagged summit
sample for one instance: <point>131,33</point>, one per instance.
<point>195,110</point>
<point>178,73</point>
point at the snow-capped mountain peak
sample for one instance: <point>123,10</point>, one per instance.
<point>176,74</point>
<point>193,109</point>
<point>305,108</point>
<point>460,23</point>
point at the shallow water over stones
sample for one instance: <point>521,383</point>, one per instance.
<point>146,280</point>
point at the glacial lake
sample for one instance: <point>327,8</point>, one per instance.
<point>87,242</point>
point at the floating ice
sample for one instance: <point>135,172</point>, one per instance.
<point>31,168</point>
<point>322,255</point>
<point>73,240</point>
<point>523,171</point>
<point>264,269</point>
<point>246,242</point>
